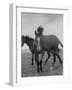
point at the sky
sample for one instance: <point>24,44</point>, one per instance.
<point>52,24</point>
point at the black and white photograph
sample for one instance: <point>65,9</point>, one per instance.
<point>41,44</point>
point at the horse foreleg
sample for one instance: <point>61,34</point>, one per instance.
<point>38,67</point>
<point>54,58</point>
<point>41,61</point>
<point>48,56</point>
<point>32,59</point>
<point>37,61</point>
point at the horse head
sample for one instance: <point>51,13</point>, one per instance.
<point>22,40</point>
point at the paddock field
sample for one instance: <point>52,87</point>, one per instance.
<point>28,70</point>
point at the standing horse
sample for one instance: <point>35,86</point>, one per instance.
<point>33,48</point>
<point>47,43</point>
<point>30,42</point>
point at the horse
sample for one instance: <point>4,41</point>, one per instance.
<point>32,46</point>
<point>48,43</point>
<point>30,42</point>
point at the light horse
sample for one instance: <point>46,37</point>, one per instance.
<point>47,43</point>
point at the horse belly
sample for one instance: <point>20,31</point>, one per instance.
<point>48,45</point>
<point>49,42</point>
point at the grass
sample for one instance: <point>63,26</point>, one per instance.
<point>28,70</point>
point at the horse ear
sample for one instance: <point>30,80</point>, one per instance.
<point>22,36</point>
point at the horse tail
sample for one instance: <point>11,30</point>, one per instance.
<point>61,44</point>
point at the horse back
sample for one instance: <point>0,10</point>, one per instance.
<point>49,41</point>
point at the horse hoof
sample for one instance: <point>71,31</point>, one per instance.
<point>51,68</point>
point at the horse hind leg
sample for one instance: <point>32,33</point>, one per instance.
<point>54,59</point>
<point>59,57</point>
<point>48,56</point>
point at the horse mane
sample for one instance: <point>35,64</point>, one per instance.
<point>28,37</point>
<point>40,30</point>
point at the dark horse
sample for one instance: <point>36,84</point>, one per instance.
<point>32,46</point>
<point>30,42</point>
<point>47,43</point>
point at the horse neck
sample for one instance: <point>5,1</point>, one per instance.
<point>29,43</point>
